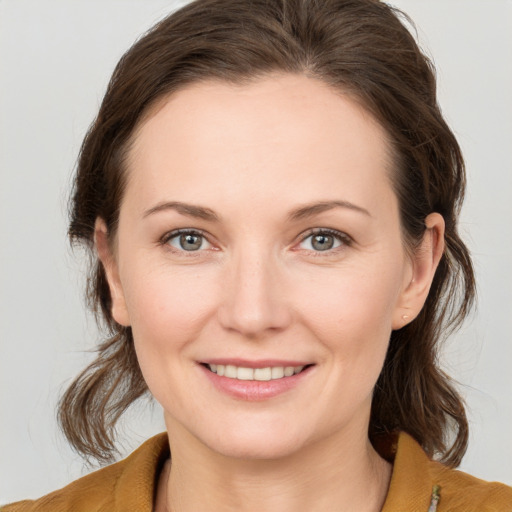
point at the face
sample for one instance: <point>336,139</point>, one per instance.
<point>259,237</point>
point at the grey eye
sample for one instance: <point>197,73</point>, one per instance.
<point>191,242</point>
<point>188,241</point>
<point>321,242</point>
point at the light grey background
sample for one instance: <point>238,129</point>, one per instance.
<point>56,57</point>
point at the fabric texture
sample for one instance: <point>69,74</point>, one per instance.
<point>130,485</point>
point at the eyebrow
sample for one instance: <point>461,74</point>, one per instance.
<point>309,210</point>
<point>301,213</point>
<point>189,210</point>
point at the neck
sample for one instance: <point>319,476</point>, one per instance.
<point>342,473</point>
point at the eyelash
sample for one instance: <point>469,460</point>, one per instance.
<point>343,238</point>
<point>173,234</point>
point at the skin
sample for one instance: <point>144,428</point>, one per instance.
<point>258,288</point>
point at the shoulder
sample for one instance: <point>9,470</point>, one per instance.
<point>125,485</point>
<point>415,476</point>
<point>93,492</point>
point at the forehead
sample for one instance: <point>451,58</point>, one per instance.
<point>281,129</point>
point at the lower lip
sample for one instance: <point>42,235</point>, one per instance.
<point>255,390</point>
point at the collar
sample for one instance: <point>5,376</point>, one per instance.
<point>411,486</point>
<point>136,487</point>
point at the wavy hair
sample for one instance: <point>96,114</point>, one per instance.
<point>362,48</point>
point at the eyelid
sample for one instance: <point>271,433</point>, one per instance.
<point>181,231</point>
<point>164,240</point>
<point>346,240</point>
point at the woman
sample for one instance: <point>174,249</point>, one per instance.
<point>272,194</point>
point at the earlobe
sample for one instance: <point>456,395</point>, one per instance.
<point>425,260</point>
<point>119,311</point>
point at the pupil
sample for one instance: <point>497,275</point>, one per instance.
<point>190,242</point>
<point>322,242</point>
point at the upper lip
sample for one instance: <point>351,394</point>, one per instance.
<point>259,363</point>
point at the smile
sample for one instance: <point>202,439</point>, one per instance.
<point>257,374</point>
<point>256,381</point>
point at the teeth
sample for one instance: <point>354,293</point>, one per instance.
<point>230,372</point>
<point>278,372</point>
<point>245,374</point>
<point>262,374</point>
<point>288,371</point>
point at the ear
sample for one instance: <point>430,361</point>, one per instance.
<point>424,263</point>
<point>108,260</point>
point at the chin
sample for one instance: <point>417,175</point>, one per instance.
<point>257,448</point>
<point>255,441</point>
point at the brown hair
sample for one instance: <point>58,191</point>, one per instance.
<point>360,47</point>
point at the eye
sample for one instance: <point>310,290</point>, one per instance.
<point>188,240</point>
<point>321,240</point>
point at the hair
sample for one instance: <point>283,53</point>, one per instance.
<point>361,48</point>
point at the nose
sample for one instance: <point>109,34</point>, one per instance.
<point>254,299</point>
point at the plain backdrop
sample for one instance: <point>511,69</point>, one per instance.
<point>56,57</point>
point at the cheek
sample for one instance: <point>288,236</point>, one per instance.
<point>166,305</point>
<point>359,300</point>
<point>168,310</point>
<point>350,313</point>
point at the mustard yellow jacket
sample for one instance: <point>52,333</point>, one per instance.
<point>129,486</point>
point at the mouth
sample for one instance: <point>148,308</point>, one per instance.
<point>256,381</point>
<point>246,373</point>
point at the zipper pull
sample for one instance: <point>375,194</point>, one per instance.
<point>434,499</point>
